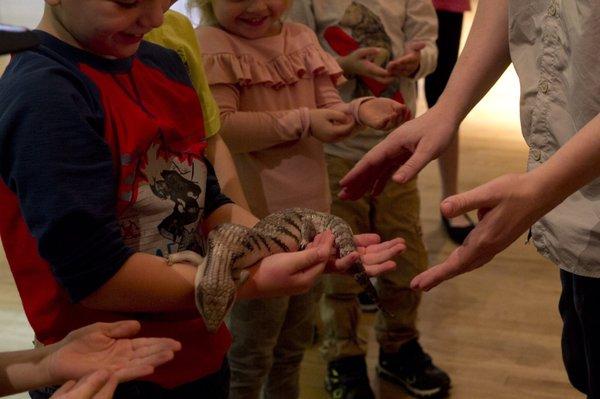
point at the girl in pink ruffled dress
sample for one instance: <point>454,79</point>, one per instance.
<point>276,88</point>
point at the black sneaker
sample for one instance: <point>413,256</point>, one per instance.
<point>367,304</point>
<point>347,379</point>
<point>413,369</point>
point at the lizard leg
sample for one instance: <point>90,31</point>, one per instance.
<point>185,257</point>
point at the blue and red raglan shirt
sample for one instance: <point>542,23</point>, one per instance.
<point>99,159</point>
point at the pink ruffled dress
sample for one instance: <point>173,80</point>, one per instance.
<point>265,88</point>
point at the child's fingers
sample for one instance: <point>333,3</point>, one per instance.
<point>66,387</point>
<point>376,270</point>
<point>335,116</point>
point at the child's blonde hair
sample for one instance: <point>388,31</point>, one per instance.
<point>206,10</point>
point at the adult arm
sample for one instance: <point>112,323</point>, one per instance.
<point>510,204</point>
<point>414,144</point>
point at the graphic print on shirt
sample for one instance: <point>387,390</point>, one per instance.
<point>170,199</point>
<point>360,27</point>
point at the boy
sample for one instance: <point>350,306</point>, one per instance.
<point>103,175</point>
<point>383,48</point>
<point>554,48</point>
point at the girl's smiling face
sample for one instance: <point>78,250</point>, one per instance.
<point>251,19</point>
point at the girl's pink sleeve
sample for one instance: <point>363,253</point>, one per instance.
<point>245,131</point>
<point>328,96</point>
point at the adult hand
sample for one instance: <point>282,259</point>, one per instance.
<point>363,62</point>
<point>98,385</point>
<point>507,207</point>
<point>374,255</point>
<point>403,153</point>
<point>107,346</point>
<point>409,63</point>
<point>382,113</point>
<point>330,125</point>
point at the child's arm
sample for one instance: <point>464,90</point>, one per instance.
<point>103,348</point>
<point>245,131</point>
<point>420,31</point>
<point>377,113</point>
<point>220,157</point>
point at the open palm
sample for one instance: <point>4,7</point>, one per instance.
<point>106,346</point>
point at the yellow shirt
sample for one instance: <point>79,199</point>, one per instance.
<point>177,33</point>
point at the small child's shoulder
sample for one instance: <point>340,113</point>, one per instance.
<point>300,32</point>
<point>212,38</point>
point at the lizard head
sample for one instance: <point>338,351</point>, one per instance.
<point>215,294</point>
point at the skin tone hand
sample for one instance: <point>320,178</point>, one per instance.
<point>403,153</point>
<point>296,272</point>
<point>507,207</point>
<point>360,63</point>
<point>91,360</point>
<point>98,385</point>
<point>407,65</point>
<point>329,125</point>
<point>105,346</point>
<point>382,113</point>
<point>375,255</point>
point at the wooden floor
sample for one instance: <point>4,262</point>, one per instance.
<point>496,331</point>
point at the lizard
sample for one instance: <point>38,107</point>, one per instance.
<point>232,248</point>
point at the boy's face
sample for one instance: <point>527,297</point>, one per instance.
<point>251,19</point>
<point>110,28</point>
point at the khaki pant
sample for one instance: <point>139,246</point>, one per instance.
<point>269,340</point>
<point>394,213</point>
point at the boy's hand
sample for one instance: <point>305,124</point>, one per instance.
<point>107,346</point>
<point>329,125</point>
<point>363,62</point>
<point>289,273</point>
<point>382,113</point>
<point>374,255</point>
<point>407,65</point>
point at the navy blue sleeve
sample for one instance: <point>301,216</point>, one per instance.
<point>214,197</point>
<point>53,156</point>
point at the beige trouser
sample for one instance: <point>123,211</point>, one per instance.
<point>394,213</point>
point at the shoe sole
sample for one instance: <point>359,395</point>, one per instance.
<point>441,392</point>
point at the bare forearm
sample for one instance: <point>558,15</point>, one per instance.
<point>145,283</point>
<point>483,60</point>
<point>24,370</point>
<point>219,155</point>
<point>229,213</point>
<point>573,166</point>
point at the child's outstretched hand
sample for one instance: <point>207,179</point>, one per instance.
<point>367,62</point>
<point>329,125</point>
<point>109,347</point>
<point>374,255</point>
<point>409,63</point>
<point>382,113</point>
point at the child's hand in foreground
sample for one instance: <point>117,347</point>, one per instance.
<point>374,255</point>
<point>329,125</point>
<point>382,113</point>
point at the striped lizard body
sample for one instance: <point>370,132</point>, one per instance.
<point>232,248</point>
